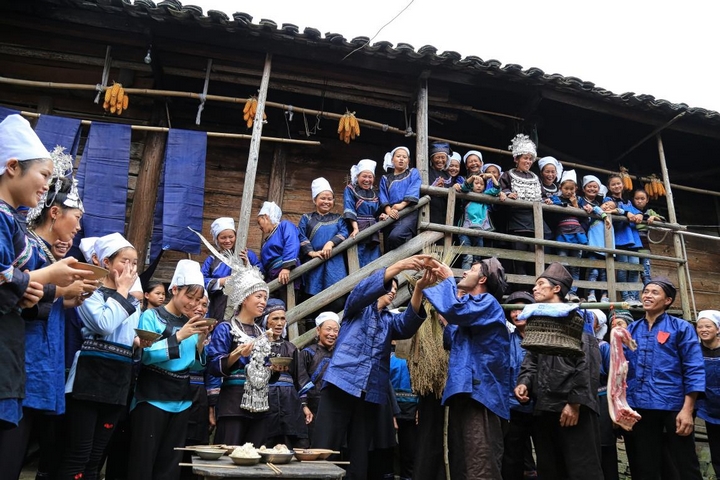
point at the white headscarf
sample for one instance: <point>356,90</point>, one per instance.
<point>388,163</point>
<point>109,244</point>
<point>712,315</point>
<point>187,272</point>
<point>591,178</point>
<point>220,225</point>
<point>488,165</point>
<point>87,247</point>
<point>602,322</point>
<point>551,161</point>
<point>569,175</point>
<point>320,185</point>
<point>472,152</point>
<point>364,165</point>
<point>19,141</point>
<point>326,316</point>
<point>272,211</point>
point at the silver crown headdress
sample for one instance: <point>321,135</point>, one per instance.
<point>62,168</point>
<point>521,145</point>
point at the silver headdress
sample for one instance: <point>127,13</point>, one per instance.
<point>62,168</point>
<point>521,145</point>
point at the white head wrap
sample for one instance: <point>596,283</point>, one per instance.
<point>320,185</point>
<point>220,225</point>
<point>272,211</point>
<point>591,178</point>
<point>472,152</point>
<point>551,161</point>
<point>603,190</point>
<point>326,316</point>
<point>137,286</point>
<point>87,247</point>
<point>488,165</point>
<point>521,145</point>
<point>187,272</point>
<point>569,175</point>
<point>19,141</point>
<point>455,156</point>
<point>388,163</point>
<point>602,322</point>
<point>364,165</point>
<point>712,315</point>
<point>109,244</point>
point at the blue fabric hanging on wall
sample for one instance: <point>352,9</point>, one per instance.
<point>103,179</point>
<point>4,112</point>
<point>61,131</point>
<point>181,193</point>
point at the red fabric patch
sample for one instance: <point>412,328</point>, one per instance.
<point>78,476</point>
<point>108,426</point>
<point>663,336</point>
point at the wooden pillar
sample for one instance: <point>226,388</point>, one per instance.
<point>421,124</point>
<point>539,234</point>
<point>243,224</point>
<point>276,191</point>
<point>146,189</point>
<point>449,217</point>
<point>677,238</point>
<point>610,265</point>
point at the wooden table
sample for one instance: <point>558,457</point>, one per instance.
<point>294,469</point>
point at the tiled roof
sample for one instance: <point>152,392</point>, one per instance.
<point>169,11</point>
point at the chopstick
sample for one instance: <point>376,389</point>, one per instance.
<point>274,468</point>
<point>213,465</point>
<point>338,462</point>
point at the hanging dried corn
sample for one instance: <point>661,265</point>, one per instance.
<point>249,111</point>
<point>348,127</point>
<point>116,100</point>
<point>626,180</point>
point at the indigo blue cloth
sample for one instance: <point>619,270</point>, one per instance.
<point>4,112</point>
<point>54,131</point>
<point>103,179</point>
<point>181,194</point>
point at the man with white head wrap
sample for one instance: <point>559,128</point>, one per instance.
<point>361,206</point>
<point>399,189</point>
<point>708,408</point>
<point>281,248</point>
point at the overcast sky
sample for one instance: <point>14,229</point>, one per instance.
<point>665,49</point>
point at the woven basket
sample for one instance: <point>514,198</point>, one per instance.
<point>554,336</point>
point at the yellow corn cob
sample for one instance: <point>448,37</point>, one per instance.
<point>108,91</point>
<point>120,95</point>
<point>113,94</point>
<point>106,105</point>
<point>126,102</point>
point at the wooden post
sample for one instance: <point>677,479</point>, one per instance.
<point>449,217</point>
<point>252,163</point>
<point>290,304</point>
<point>610,265</point>
<point>276,192</point>
<point>352,259</point>
<point>421,124</point>
<point>540,235</point>
<point>143,208</point>
<point>677,238</point>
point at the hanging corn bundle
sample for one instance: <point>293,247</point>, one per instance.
<point>116,100</point>
<point>250,110</point>
<point>655,187</point>
<point>626,180</point>
<point>348,127</point>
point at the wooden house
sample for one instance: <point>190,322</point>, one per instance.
<point>172,59</point>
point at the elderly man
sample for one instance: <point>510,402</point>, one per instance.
<point>478,384</point>
<point>666,372</point>
<point>565,392</point>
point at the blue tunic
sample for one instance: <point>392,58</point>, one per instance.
<point>315,231</point>
<point>626,235</point>
<point>480,347</point>
<point>404,187</point>
<point>363,206</point>
<point>708,408</point>
<point>666,366</point>
<point>361,359</point>
<point>281,249</point>
<point>16,256</point>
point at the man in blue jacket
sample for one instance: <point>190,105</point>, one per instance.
<point>478,385</point>
<point>357,381</point>
<point>665,374</point>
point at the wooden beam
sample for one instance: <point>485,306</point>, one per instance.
<point>677,239</point>
<point>252,163</point>
<point>140,224</point>
<point>421,125</point>
<point>276,191</point>
<point>342,287</point>
<point>539,234</point>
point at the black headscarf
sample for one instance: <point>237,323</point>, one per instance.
<point>666,285</point>
<point>556,274</point>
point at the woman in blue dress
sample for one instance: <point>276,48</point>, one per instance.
<point>320,232</point>
<point>399,190</point>
<point>280,250</point>
<point>361,208</point>
<point>708,408</point>
<point>215,271</point>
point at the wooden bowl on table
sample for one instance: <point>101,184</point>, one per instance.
<point>306,454</point>
<point>98,272</point>
<point>323,453</point>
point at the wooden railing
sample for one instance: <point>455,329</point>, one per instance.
<point>431,233</point>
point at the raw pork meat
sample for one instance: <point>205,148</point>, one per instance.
<point>620,411</point>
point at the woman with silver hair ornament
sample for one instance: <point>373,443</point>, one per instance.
<point>237,353</point>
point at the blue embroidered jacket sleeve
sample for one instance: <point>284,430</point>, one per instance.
<point>211,281</point>
<point>342,233</point>
<point>384,193</point>
<point>13,281</point>
<point>291,244</point>
<point>463,311</point>
<point>104,317</point>
<point>162,350</point>
<point>349,210</point>
<point>412,193</point>
<point>305,244</point>
<point>218,350</point>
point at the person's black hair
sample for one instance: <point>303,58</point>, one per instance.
<point>152,284</point>
<point>26,164</point>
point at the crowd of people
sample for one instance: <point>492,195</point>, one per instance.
<point>114,374</point>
